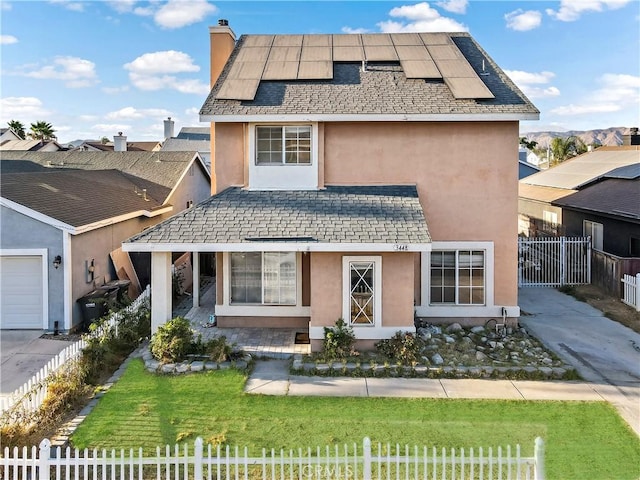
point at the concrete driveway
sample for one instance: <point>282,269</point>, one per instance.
<point>604,352</point>
<point>22,354</point>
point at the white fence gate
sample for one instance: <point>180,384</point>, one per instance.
<point>554,261</point>
<point>631,291</point>
<point>347,462</point>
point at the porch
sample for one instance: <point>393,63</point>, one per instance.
<point>260,342</point>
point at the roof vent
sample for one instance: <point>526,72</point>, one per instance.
<point>223,22</point>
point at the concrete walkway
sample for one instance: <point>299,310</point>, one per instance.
<point>600,349</point>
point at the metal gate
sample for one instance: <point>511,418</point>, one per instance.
<point>554,261</point>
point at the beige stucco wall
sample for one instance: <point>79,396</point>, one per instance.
<point>227,157</point>
<point>327,290</point>
<point>466,174</point>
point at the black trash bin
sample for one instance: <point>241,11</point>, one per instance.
<point>121,287</point>
<point>96,303</point>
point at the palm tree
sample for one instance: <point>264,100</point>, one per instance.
<point>17,127</point>
<point>42,131</point>
<point>565,148</point>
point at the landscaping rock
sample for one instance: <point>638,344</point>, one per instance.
<point>437,359</point>
<point>454,327</point>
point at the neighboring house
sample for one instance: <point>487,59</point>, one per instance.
<point>30,145</point>
<point>368,177</point>
<point>189,139</point>
<point>524,167</point>
<point>8,134</point>
<point>120,144</point>
<point>64,215</point>
<point>538,211</point>
<point>608,210</point>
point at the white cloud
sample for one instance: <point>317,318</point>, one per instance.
<point>69,5</point>
<point>17,108</point>
<point>522,21</point>
<point>88,118</point>
<point>422,18</point>
<point>571,10</point>
<point>180,13</point>
<point>533,84</point>
<point>350,30</point>
<point>75,72</point>
<point>7,39</point>
<point>5,6</point>
<point>122,6</point>
<point>454,6</point>
<point>169,61</point>
<point>153,71</point>
<point>115,90</point>
<point>110,128</point>
<point>616,93</point>
<point>131,113</point>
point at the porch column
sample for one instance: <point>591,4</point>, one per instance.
<point>195,264</point>
<point>160,289</point>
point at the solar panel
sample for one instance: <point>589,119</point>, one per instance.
<point>412,52</point>
<point>287,41</point>
<point>316,41</point>
<point>468,88</point>
<point>420,69</point>
<point>435,38</point>
<point>258,41</point>
<point>381,53</point>
<point>312,54</point>
<point>238,90</point>
<point>284,54</point>
<point>345,40</point>
<point>455,68</point>
<point>376,39</point>
<point>246,70</point>
<point>347,54</point>
<point>444,52</point>
<point>318,70</point>
<point>253,54</point>
<point>406,39</point>
<point>280,71</point>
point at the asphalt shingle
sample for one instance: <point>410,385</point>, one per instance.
<point>338,214</point>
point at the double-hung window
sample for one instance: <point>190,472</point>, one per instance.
<point>263,278</point>
<point>283,145</point>
<point>594,230</point>
<point>457,277</point>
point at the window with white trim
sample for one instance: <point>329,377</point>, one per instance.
<point>283,145</point>
<point>550,222</point>
<point>594,230</point>
<point>263,278</point>
<point>457,277</point>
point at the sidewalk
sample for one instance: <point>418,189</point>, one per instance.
<point>601,350</point>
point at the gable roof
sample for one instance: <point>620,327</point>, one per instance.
<point>194,133</point>
<point>619,197</point>
<point>29,145</point>
<point>162,169</point>
<point>78,200</point>
<point>407,76</point>
<point>303,220</point>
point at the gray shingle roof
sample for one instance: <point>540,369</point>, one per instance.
<point>77,197</point>
<point>382,89</point>
<point>338,214</point>
<point>163,169</point>
<point>612,196</point>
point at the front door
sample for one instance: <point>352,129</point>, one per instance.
<point>362,290</point>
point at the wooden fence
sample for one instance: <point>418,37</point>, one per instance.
<point>554,261</point>
<point>345,462</point>
<point>30,396</point>
<point>631,291</point>
<point>607,270</point>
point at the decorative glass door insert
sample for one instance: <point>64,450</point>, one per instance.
<point>362,293</point>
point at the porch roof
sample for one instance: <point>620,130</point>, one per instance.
<point>384,217</point>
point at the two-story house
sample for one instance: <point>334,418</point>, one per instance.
<point>368,177</point>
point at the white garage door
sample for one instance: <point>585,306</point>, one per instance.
<point>21,292</point>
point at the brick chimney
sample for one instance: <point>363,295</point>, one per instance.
<point>119,143</point>
<point>222,40</point>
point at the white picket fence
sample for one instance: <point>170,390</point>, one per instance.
<point>554,261</point>
<point>631,291</point>
<point>30,396</point>
<point>345,462</point>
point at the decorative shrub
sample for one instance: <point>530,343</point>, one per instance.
<point>217,349</point>
<point>173,340</point>
<point>403,347</point>
<point>338,341</point>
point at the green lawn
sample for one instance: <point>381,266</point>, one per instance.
<point>584,440</point>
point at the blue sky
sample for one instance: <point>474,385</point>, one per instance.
<point>94,68</point>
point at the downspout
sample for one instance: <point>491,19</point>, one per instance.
<point>67,281</point>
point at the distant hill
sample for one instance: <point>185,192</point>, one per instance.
<point>607,137</point>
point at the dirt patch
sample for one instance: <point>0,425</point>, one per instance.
<point>611,307</point>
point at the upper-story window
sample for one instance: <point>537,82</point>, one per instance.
<point>278,145</point>
<point>292,146</point>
